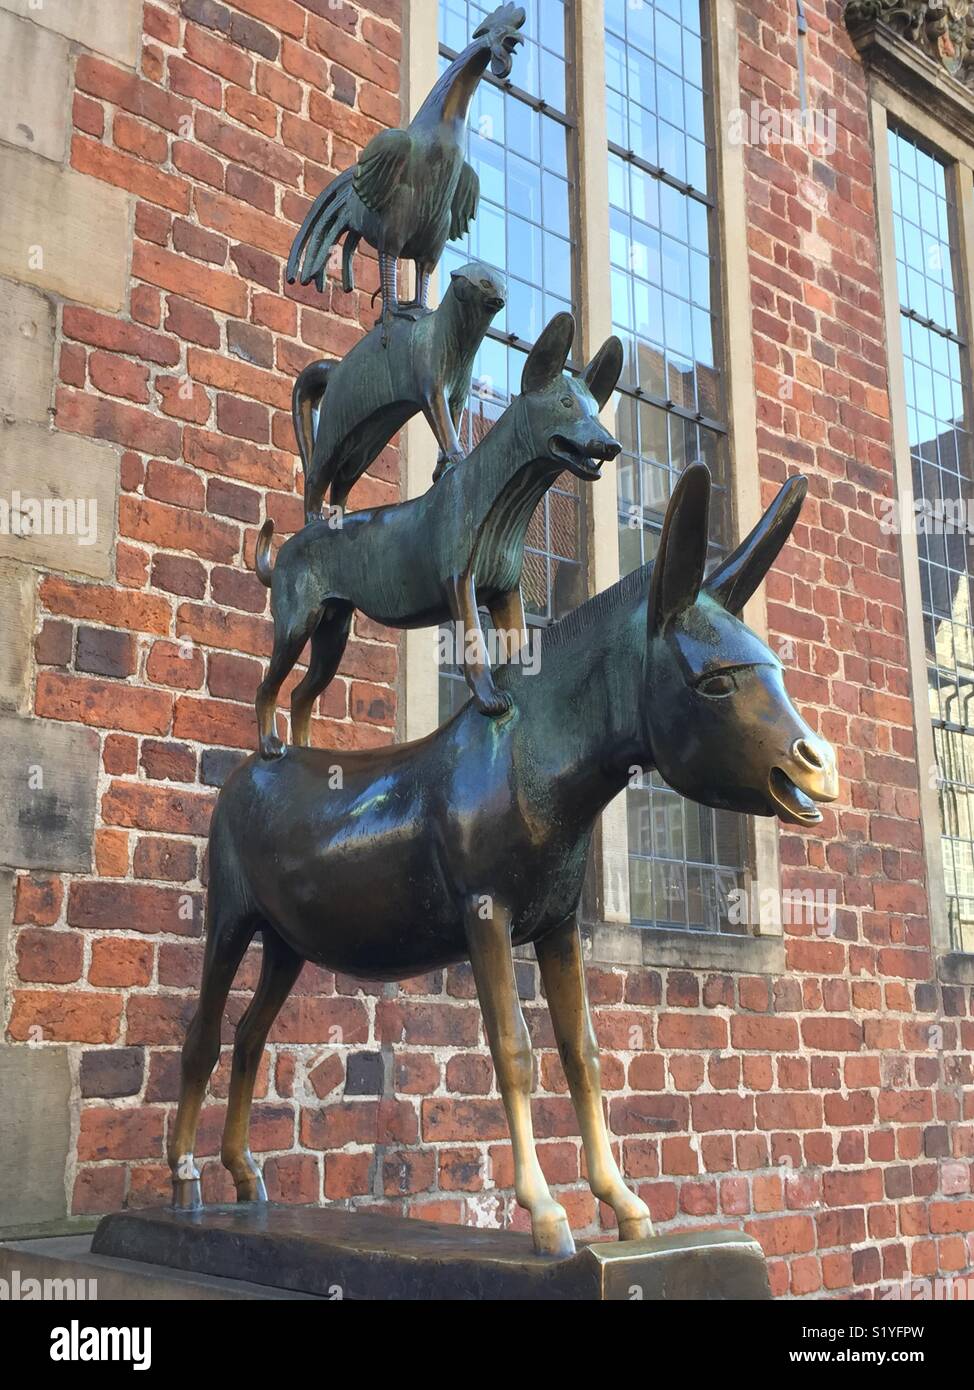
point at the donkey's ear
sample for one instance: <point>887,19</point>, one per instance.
<point>547,358</point>
<point>735,579</point>
<point>604,370</point>
<point>682,554</point>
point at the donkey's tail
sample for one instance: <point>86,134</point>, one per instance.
<point>262,560</point>
<point>309,388</point>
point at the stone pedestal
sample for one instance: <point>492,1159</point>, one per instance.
<point>329,1253</point>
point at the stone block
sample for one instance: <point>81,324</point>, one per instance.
<point>48,778</point>
<point>58,500</point>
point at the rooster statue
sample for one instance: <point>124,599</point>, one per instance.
<point>412,190</point>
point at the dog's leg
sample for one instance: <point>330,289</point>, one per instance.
<point>287,649</point>
<point>462,596</point>
<point>507,615</point>
<point>328,642</point>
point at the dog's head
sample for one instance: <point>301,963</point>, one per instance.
<point>563,411</point>
<point>479,288</point>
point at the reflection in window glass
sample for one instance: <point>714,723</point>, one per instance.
<point>936,362</point>
<point>523,228</point>
<point>684,859</point>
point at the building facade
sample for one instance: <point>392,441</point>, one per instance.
<point>773,205</point>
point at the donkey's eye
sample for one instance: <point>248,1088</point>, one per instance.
<point>716,686</point>
<point>567,402</point>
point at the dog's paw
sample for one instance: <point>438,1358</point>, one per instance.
<point>446,461</point>
<point>271,747</point>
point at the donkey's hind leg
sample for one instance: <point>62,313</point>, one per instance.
<point>229,933</point>
<point>280,968</point>
<point>328,643</point>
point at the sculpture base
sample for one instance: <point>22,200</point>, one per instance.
<point>331,1253</point>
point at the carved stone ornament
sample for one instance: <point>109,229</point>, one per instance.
<point>944,33</point>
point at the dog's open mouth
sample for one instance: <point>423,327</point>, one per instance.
<point>790,802</point>
<point>585,461</point>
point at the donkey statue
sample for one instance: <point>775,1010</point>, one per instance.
<point>474,840</point>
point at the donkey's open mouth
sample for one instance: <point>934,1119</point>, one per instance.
<point>790,802</point>
<point>584,460</point>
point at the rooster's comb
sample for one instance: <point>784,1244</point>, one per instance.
<point>505,16</point>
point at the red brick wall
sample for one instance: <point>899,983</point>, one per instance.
<point>829,1110</point>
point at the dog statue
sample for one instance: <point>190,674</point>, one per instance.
<point>422,562</point>
<point>371,393</point>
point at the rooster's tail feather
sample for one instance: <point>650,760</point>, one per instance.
<point>322,227</point>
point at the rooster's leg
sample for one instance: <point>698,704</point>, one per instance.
<point>389,275</point>
<point>417,307</point>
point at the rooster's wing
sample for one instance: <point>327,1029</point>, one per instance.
<point>465,201</point>
<point>381,167</point>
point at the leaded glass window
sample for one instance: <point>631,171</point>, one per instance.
<point>523,149</point>
<point>684,859</point>
<point>936,364</point>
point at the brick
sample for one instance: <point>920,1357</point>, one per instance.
<point>172,664</point>
<point>214,288</point>
<point>246,224</point>
<point>140,139</point>
<point>196,242</point>
<point>116,377</point>
<point>195,83</point>
<point>105,652</point>
<point>112,1074</point>
<point>175,528</point>
<point>125,172</point>
<point>49,957</point>
<point>219,56</point>
<point>143,807</point>
<point>100,906</point>
<point>192,322</point>
<point>104,704</point>
<point>243,419</point>
<point>115,335</point>
<point>98,418</point>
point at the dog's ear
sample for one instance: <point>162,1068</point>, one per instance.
<point>547,358</point>
<point>604,370</point>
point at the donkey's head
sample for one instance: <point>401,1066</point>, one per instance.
<point>721,726</point>
<point>562,412</point>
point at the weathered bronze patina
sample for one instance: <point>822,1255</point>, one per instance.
<point>411,191</point>
<point>475,839</point>
<point>437,557</point>
<point>369,394</point>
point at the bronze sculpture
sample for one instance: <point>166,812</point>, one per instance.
<point>422,562</point>
<point>411,191</point>
<point>475,838</point>
<point>369,395</point>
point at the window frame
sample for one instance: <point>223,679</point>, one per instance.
<point>888,104</point>
<point>610,936</point>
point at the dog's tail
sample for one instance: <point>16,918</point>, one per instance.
<point>262,560</point>
<point>306,395</point>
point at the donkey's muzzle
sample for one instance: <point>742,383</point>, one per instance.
<point>809,776</point>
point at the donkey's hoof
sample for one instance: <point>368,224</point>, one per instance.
<point>186,1194</point>
<point>635,1228</point>
<point>553,1236</point>
<point>271,747</point>
<point>251,1189</point>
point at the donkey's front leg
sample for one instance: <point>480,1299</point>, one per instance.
<point>560,957</point>
<point>488,928</point>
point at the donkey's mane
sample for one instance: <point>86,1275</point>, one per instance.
<point>594,610</point>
